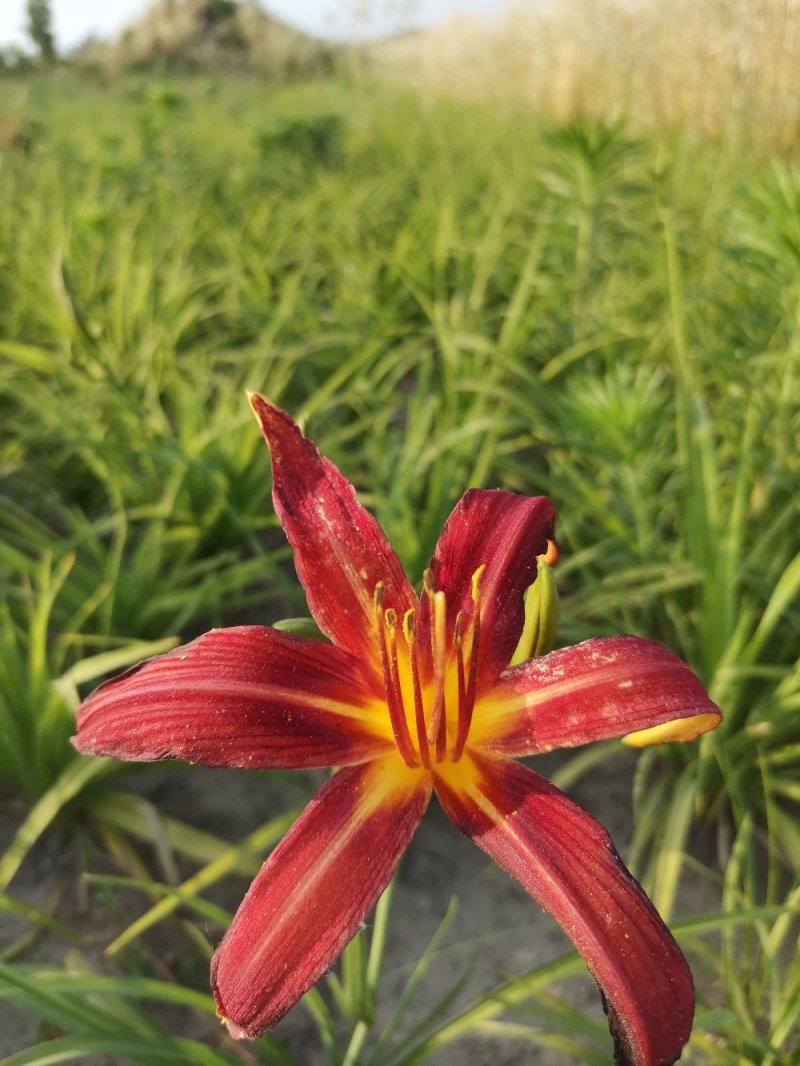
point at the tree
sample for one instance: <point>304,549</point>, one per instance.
<point>40,29</point>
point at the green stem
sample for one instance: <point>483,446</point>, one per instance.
<point>357,1041</point>
<point>377,945</point>
<point>377,948</point>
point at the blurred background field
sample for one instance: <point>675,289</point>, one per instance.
<point>552,253</point>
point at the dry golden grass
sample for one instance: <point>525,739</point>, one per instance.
<point>714,66</point>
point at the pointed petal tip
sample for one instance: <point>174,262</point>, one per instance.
<point>602,689</point>
<point>314,891</point>
<point>271,417</point>
<point>234,1030</point>
<point>567,862</point>
<point>498,534</point>
<point>341,554</point>
<point>680,730</point>
<point>262,408</point>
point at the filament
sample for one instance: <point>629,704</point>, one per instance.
<point>387,630</point>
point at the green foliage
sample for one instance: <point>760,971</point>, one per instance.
<point>301,143</point>
<point>38,690</point>
<point>100,1017</point>
<point>445,297</point>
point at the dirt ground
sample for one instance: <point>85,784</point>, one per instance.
<point>439,864</point>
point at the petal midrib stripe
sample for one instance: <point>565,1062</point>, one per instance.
<point>234,691</point>
<point>308,885</point>
<point>557,886</point>
<point>552,690</point>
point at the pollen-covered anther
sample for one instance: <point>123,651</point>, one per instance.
<point>476,583</point>
<point>430,715</point>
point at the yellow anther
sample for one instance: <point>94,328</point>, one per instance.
<point>408,626</point>
<point>476,582</point>
<point>427,582</point>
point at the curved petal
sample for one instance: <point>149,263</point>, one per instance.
<point>602,688</point>
<point>566,861</point>
<point>247,696</point>
<point>314,891</point>
<point>503,533</point>
<point>340,551</point>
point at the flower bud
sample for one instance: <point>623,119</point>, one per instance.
<point>542,611</point>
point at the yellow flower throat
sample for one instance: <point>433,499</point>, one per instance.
<point>430,708</point>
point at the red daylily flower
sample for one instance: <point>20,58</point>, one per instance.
<point>414,696</point>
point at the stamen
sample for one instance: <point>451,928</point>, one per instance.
<point>463,725</point>
<point>437,726</point>
<point>419,710</point>
<point>467,705</point>
<point>387,624</point>
<point>427,582</point>
<point>473,661</point>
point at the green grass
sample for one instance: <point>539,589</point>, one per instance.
<point>445,297</point>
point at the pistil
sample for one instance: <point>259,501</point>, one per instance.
<point>437,726</point>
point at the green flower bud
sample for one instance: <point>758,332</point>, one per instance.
<point>542,614</point>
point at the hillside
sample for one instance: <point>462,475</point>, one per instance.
<point>209,34</point>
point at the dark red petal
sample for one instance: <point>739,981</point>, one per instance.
<point>504,533</point>
<point>340,551</point>
<point>247,696</point>
<point>567,862</point>
<point>314,892</point>
<point>603,688</point>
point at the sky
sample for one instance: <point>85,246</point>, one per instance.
<point>75,20</point>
